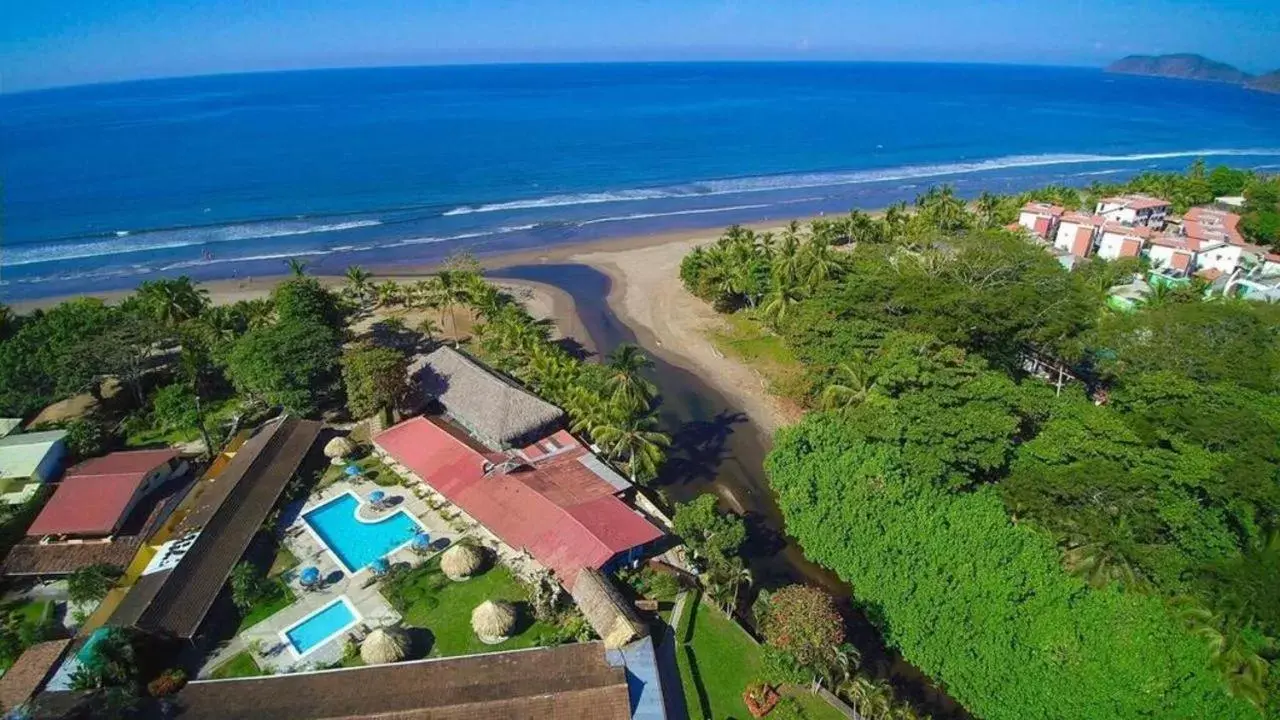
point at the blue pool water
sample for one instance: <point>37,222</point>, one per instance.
<point>357,544</point>
<point>321,626</point>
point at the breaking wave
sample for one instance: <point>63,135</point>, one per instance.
<point>829,179</point>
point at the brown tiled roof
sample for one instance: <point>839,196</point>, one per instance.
<point>245,494</point>
<point>32,558</point>
<point>569,682</point>
<point>29,673</point>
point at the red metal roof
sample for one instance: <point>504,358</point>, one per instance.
<point>86,505</point>
<point>92,498</point>
<point>555,508</point>
<point>130,461</point>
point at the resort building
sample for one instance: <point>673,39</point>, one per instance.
<point>218,520</point>
<point>554,499</point>
<point>1173,254</point>
<point>1135,210</point>
<point>1041,219</point>
<point>96,496</point>
<point>28,460</point>
<point>1122,241</point>
<point>1077,233</point>
<point>1209,225</point>
<point>582,681</point>
<point>493,409</point>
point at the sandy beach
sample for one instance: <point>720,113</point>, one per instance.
<point>646,294</point>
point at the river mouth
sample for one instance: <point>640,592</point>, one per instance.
<point>716,448</point>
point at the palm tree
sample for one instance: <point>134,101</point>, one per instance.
<point>1236,647</point>
<point>297,267</point>
<point>627,387</point>
<point>387,293</point>
<point>988,207</point>
<point>820,264</point>
<point>784,295</point>
<point>358,282</point>
<point>172,301</point>
<point>786,257</point>
<point>1100,564</point>
<point>428,328</point>
<point>723,582</point>
<point>871,699</point>
<point>450,291</point>
<point>257,313</point>
<point>853,386</point>
<point>633,440</point>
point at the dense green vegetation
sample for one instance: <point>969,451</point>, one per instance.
<point>1042,553</point>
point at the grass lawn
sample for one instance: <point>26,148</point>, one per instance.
<point>279,598</point>
<point>372,468</point>
<point>32,612</point>
<point>283,562</point>
<point>722,660</point>
<point>430,600</point>
<point>240,665</point>
<point>750,341</point>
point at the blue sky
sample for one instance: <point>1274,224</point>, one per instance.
<point>44,43</point>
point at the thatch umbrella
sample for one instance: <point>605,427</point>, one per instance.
<point>337,449</point>
<point>461,561</point>
<point>385,645</point>
<point>493,621</point>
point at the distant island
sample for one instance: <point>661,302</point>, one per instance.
<point>1188,66</point>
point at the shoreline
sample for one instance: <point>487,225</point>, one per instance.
<point>229,290</point>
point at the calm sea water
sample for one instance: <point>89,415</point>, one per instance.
<point>106,185</point>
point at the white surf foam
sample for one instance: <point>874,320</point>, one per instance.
<point>829,179</point>
<point>125,242</point>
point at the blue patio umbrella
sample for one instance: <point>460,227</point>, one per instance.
<point>379,566</point>
<point>310,575</point>
<point>352,470</point>
<point>377,496</point>
<point>421,541</point>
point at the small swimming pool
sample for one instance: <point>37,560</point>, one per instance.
<point>321,626</point>
<point>356,543</point>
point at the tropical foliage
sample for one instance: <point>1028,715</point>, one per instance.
<point>1003,530</point>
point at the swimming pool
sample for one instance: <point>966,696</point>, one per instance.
<point>356,543</point>
<point>321,626</point>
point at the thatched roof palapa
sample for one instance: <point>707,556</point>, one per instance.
<point>493,621</point>
<point>385,645</point>
<point>461,561</point>
<point>338,448</point>
<point>607,611</point>
<point>490,406</point>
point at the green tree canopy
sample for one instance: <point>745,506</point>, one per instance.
<point>375,378</point>
<point>304,299</point>
<point>293,363</point>
<point>978,603</point>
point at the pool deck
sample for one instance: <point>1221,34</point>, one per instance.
<point>264,639</point>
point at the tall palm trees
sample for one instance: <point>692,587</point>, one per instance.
<point>172,301</point>
<point>633,439</point>
<point>358,282</point>
<point>297,268</point>
<point>626,385</point>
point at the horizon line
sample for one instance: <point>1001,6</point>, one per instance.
<point>542,63</point>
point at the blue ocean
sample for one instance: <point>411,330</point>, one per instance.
<point>106,185</point>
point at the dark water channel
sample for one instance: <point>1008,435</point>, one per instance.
<point>716,448</point>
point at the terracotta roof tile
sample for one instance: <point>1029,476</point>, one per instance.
<point>29,673</point>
